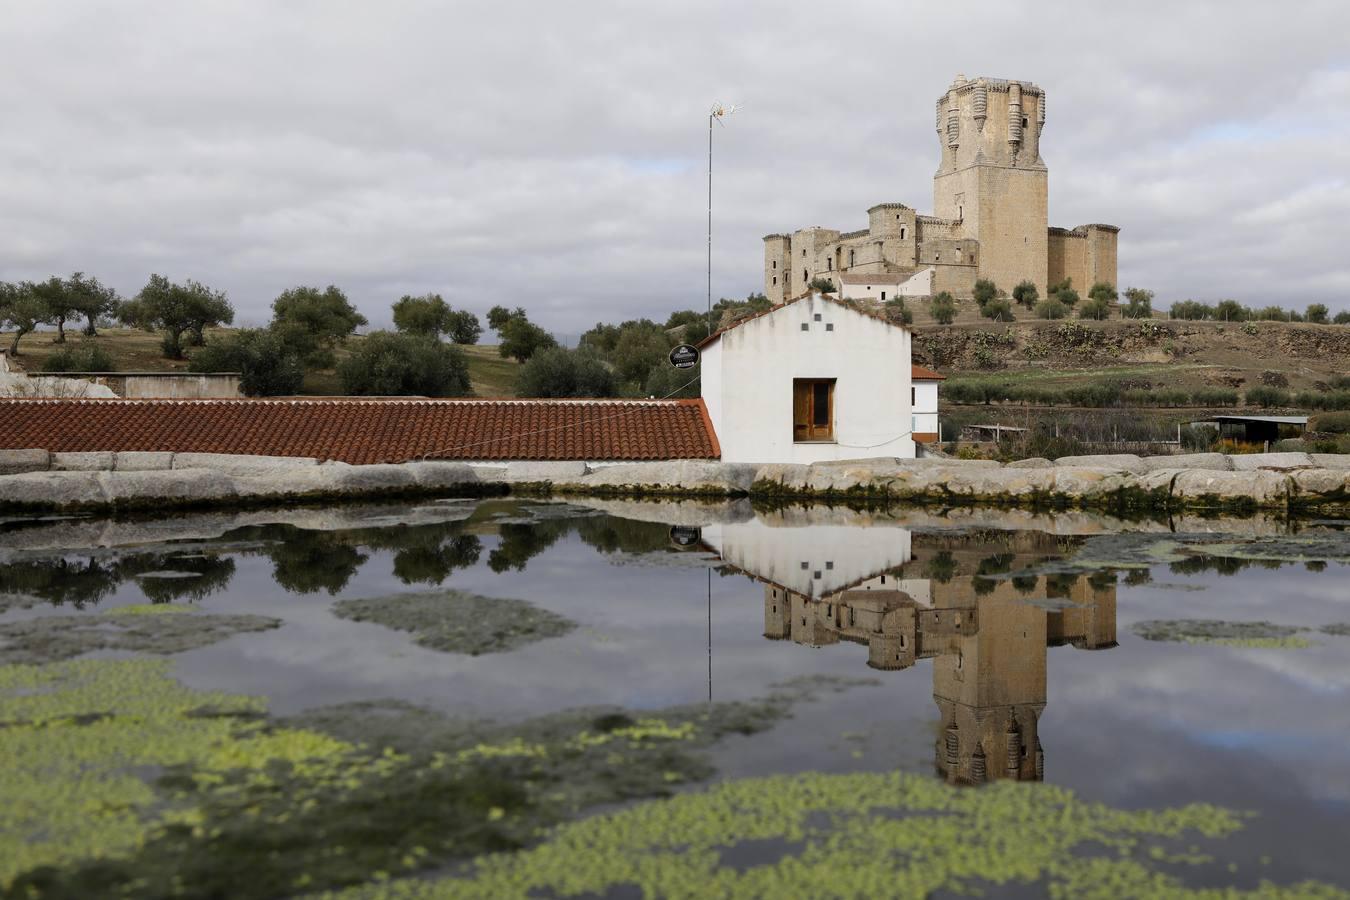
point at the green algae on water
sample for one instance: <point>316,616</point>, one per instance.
<point>459,622</point>
<point>853,836</point>
<point>160,628</point>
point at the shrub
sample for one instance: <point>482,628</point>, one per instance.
<point>899,312</point>
<point>1340,383</point>
<point>559,372</point>
<point>1025,294</point>
<point>1342,317</point>
<point>1199,438</point>
<point>1103,290</point>
<point>999,310</point>
<point>943,308</point>
<point>1065,285</point>
<point>1066,295</point>
<point>1267,397</point>
<point>1215,397</point>
<point>1097,308</point>
<point>83,357</point>
<point>390,364</point>
<point>822,285</point>
<point>1317,313</point>
<point>985,290</point>
<point>1051,308</point>
<point>1140,303</point>
<point>1331,423</point>
<point>267,365</point>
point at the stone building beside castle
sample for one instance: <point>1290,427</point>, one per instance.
<point>990,216</point>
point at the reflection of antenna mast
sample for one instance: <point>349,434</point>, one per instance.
<point>709,635</point>
<point>717,113</point>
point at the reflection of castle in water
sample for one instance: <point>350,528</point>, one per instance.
<point>987,636</point>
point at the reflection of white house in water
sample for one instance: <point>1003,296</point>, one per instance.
<point>987,637</point>
<point>812,560</point>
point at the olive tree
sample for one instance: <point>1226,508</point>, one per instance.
<point>314,322</point>
<point>177,309</point>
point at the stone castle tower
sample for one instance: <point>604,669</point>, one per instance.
<point>990,205</point>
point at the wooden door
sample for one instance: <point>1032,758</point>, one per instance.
<point>813,409</point>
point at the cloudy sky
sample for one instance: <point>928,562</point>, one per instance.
<point>553,155</point>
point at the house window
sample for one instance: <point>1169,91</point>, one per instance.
<point>913,396</point>
<point>806,327</point>
<point>816,317</point>
<point>812,409</point>
<point>883,295</point>
<point>829,326</point>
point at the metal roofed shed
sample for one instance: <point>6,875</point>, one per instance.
<point>1260,429</point>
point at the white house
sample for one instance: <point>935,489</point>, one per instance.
<point>924,399</point>
<point>885,285</point>
<point>811,380</point>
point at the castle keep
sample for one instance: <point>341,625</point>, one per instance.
<point>990,218</point>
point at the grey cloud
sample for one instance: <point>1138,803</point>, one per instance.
<point>553,156</point>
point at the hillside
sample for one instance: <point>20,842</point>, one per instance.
<point>138,351</point>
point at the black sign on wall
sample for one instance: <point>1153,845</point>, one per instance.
<point>684,356</point>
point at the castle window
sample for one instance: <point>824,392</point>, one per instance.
<point>803,251</point>
<point>960,212</point>
<point>806,276</point>
<point>812,409</point>
<point>829,264</point>
<point>850,257</point>
<point>902,232</point>
<point>775,279</point>
<point>775,263</point>
<point>1024,121</point>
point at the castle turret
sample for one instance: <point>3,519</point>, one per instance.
<point>992,178</point>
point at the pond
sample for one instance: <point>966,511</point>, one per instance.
<point>530,698</point>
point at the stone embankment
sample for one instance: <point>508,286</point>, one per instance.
<point>1282,482</point>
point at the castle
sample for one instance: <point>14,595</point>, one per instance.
<point>990,205</point>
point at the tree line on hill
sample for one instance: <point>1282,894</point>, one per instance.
<point>309,324</point>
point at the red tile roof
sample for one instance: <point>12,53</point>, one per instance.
<point>369,431</point>
<point>918,372</point>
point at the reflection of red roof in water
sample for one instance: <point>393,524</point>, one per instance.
<point>358,431</point>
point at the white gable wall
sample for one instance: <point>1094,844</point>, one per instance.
<point>925,406</point>
<point>747,377</point>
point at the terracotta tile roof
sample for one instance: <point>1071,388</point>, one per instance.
<point>369,431</point>
<point>920,373</point>
<point>773,309</point>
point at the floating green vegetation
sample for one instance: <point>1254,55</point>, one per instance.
<point>854,836</point>
<point>145,628</point>
<point>121,782</point>
<point>459,622</point>
<point>1216,631</point>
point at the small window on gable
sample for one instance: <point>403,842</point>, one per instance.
<point>812,409</point>
<point>805,327</point>
<point>829,326</point>
<point>816,317</point>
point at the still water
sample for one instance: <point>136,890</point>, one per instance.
<point>511,698</point>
